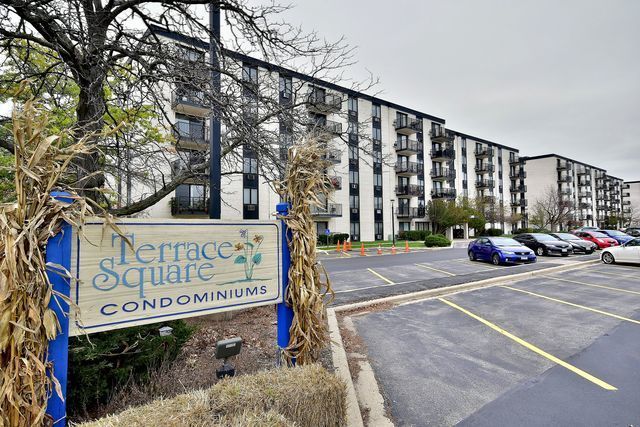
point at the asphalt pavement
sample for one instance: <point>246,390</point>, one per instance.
<point>562,349</point>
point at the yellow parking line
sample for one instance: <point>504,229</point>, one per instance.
<point>346,253</point>
<point>593,285</point>
<point>533,348</point>
<point>381,276</point>
<point>628,276</point>
<point>435,269</point>
<point>595,310</point>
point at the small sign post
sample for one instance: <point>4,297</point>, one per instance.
<point>285,313</point>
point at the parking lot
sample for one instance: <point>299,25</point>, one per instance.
<point>558,349</point>
<point>361,278</point>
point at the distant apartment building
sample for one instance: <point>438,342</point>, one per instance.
<point>631,201</point>
<point>594,196</point>
<point>387,161</point>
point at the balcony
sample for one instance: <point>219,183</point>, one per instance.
<point>564,166</point>
<point>410,212</point>
<point>626,203</point>
<point>518,174</point>
<point>408,168</point>
<point>408,147</point>
<point>585,194</point>
<point>323,103</point>
<point>626,186</point>
<point>583,171</point>
<point>484,184</point>
<point>189,206</point>
<point>443,193</point>
<point>522,203</point>
<point>332,156</point>
<point>565,178</point>
<point>584,183</point>
<point>443,174</point>
<point>518,189</point>
<point>440,135</point>
<point>586,217</point>
<point>186,163</point>
<point>584,205</point>
<point>565,192</point>
<point>626,194</point>
<point>483,153</point>
<point>330,210</point>
<point>191,135</point>
<point>627,210</point>
<point>336,182</point>
<point>443,155</point>
<point>407,125</point>
<point>484,168</point>
<point>411,190</point>
<point>191,102</point>
<point>325,129</point>
<point>514,160</point>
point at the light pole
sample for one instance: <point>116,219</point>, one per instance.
<point>393,224</point>
<point>214,124</point>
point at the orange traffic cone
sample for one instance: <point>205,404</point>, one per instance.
<point>406,246</point>
<point>349,245</point>
<point>339,246</point>
<point>379,249</point>
<point>393,250</point>
<point>362,249</point>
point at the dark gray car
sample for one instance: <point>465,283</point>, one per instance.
<point>579,245</point>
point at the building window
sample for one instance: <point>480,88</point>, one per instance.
<point>404,226</point>
<point>354,177</point>
<point>355,230</point>
<point>286,87</point>
<point>376,134</point>
<point>378,230</point>
<point>377,179</point>
<point>250,196</point>
<point>352,128</point>
<point>250,74</point>
<point>354,201</point>
<point>353,153</point>
<point>377,202</point>
<point>353,104</point>
<point>250,165</point>
<point>376,111</point>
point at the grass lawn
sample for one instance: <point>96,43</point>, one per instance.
<point>383,243</point>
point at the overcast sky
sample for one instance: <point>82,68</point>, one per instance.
<point>543,76</point>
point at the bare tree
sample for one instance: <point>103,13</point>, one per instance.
<point>552,211</point>
<point>98,63</point>
<point>630,216</point>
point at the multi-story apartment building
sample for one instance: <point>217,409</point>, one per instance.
<point>631,201</point>
<point>594,196</point>
<point>387,160</point>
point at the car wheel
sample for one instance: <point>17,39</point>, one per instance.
<point>608,258</point>
<point>540,251</point>
<point>495,259</point>
<point>472,256</point>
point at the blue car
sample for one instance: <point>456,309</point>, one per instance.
<point>618,236</point>
<point>500,250</point>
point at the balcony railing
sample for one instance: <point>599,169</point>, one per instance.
<point>189,206</point>
<point>194,132</point>
<point>565,178</point>
<point>514,159</point>
<point>583,171</point>
<point>440,135</point>
<point>411,190</point>
<point>333,156</point>
<point>332,209</point>
<point>445,154</point>
<point>407,125</point>
<point>626,202</point>
<point>484,152</point>
<point>518,174</point>
<point>324,103</point>
<point>585,194</point>
<point>565,192</point>
<point>519,203</point>
<point>443,174</point>
<point>485,183</point>
<point>327,128</point>
<point>443,193</point>
<point>484,168</point>
<point>410,212</point>
<point>584,183</point>
<point>408,146</point>
<point>564,166</point>
<point>336,181</point>
<point>518,189</point>
<point>585,205</point>
<point>409,168</point>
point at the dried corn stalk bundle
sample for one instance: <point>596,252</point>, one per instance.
<point>42,164</point>
<point>305,185</point>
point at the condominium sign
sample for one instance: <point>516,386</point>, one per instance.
<point>163,270</point>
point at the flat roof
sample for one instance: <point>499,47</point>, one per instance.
<point>239,56</point>
<point>544,156</point>
<point>475,138</point>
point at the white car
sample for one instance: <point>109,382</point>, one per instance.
<point>629,252</point>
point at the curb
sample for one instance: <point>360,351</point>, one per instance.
<point>339,355</point>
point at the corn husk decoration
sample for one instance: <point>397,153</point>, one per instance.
<point>305,185</point>
<point>42,165</point>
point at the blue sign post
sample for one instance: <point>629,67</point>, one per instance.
<point>59,254</point>
<point>285,313</point>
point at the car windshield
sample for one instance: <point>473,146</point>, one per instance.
<point>567,236</point>
<point>614,233</point>
<point>544,237</point>
<point>504,241</point>
<point>600,235</point>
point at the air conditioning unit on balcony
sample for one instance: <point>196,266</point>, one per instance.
<point>354,210</point>
<point>378,211</point>
<point>251,176</point>
<point>378,237</point>
<point>354,186</point>
<point>251,207</point>
<point>355,237</point>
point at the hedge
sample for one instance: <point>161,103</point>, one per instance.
<point>492,232</point>
<point>414,235</point>
<point>332,238</point>
<point>436,240</point>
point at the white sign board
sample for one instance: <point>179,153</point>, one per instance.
<point>176,269</point>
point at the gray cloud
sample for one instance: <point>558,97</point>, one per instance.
<point>543,76</point>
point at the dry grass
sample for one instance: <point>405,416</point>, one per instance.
<point>300,396</point>
<point>26,322</point>
<point>305,184</point>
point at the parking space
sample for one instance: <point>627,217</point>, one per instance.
<point>561,349</point>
